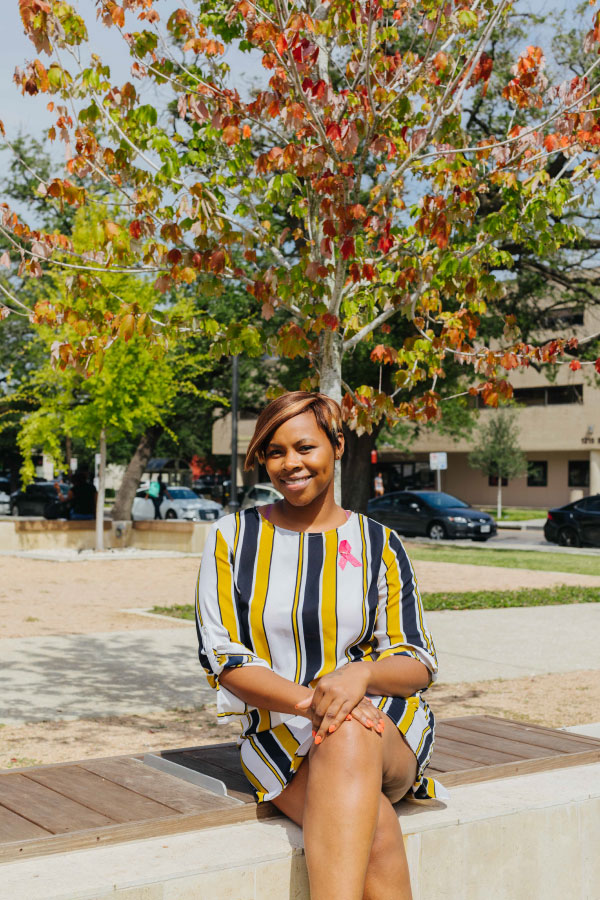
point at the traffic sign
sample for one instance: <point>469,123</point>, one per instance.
<point>438,461</point>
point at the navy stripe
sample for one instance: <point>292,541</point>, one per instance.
<point>426,749</point>
<point>275,753</point>
<point>243,592</point>
<point>234,661</point>
<point>396,709</point>
<point>376,547</point>
<point>201,654</point>
<point>311,626</point>
<point>410,601</point>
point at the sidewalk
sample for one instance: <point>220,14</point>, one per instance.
<point>119,672</point>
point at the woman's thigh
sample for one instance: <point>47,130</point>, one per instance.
<point>399,763</point>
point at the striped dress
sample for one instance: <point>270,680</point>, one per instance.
<point>304,604</point>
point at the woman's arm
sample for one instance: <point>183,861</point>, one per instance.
<point>264,689</point>
<point>400,676</point>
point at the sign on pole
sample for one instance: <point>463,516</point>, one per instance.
<point>438,461</point>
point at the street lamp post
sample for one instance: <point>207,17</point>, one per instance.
<point>233,497</point>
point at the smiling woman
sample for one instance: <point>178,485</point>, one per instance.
<point>312,629</point>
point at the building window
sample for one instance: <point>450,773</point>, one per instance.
<point>550,395</point>
<point>579,473</point>
<point>537,473</point>
<point>562,316</point>
<point>493,481</point>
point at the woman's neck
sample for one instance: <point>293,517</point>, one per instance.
<point>322,514</point>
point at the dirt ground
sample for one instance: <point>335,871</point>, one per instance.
<point>39,597</point>
<point>553,700</point>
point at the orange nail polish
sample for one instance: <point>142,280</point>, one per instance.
<point>331,729</point>
<point>348,718</point>
<point>379,727</point>
<point>314,732</point>
<point>318,739</point>
<point>369,723</point>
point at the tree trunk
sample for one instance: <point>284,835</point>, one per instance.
<point>499,499</point>
<point>133,474</point>
<point>357,475</point>
<point>100,497</point>
<point>330,383</point>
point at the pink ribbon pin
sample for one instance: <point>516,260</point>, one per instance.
<point>346,556</point>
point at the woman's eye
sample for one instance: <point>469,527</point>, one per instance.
<point>306,447</point>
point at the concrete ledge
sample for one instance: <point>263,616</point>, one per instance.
<point>532,837</point>
<point>22,534</point>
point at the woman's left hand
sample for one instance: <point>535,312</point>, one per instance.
<point>335,697</point>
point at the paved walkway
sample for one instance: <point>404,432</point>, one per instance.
<point>119,672</point>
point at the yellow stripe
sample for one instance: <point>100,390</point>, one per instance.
<point>394,593</point>
<point>328,604</point>
<point>266,761</point>
<point>426,731</point>
<point>412,705</point>
<point>261,586</point>
<point>295,609</point>
<point>237,533</point>
<point>226,607</point>
<point>287,740</point>
<point>264,719</point>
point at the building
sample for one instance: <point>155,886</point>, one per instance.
<point>559,424</point>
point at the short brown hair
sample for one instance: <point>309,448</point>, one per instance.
<point>325,410</point>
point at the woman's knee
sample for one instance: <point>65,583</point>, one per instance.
<point>352,744</point>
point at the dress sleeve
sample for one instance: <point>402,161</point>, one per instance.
<point>218,621</point>
<point>400,628</point>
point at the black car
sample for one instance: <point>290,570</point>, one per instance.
<point>432,513</point>
<point>37,499</point>
<point>575,524</point>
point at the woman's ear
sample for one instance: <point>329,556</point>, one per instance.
<point>339,452</point>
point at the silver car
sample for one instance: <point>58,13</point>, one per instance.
<point>182,503</point>
<point>261,494</point>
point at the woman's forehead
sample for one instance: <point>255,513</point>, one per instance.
<point>302,425</point>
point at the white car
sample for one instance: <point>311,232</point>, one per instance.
<point>182,503</point>
<point>261,494</point>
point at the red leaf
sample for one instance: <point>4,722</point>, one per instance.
<point>347,249</point>
<point>135,229</point>
<point>597,366</point>
<point>231,135</point>
<point>574,365</point>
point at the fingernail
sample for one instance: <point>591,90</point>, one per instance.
<point>379,727</point>
<point>331,729</point>
<point>318,739</point>
<point>348,718</point>
<point>369,723</point>
<point>314,732</point>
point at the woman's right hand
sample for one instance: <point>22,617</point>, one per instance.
<point>369,715</point>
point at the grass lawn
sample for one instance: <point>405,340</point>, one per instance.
<point>510,559</point>
<point>464,600</point>
<point>515,513</point>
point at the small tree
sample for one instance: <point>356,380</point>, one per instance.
<point>497,453</point>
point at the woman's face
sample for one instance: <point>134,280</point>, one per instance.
<point>300,459</point>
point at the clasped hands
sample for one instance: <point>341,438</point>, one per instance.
<point>340,696</point>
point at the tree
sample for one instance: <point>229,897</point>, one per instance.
<point>497,452</point>
<point>362,138</point>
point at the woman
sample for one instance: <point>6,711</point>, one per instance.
<point>311,629</point>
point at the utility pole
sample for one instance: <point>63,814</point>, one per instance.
<point>233,498</point>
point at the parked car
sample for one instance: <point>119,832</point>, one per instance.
<point>261,494</point>
<point>433,513</point>
<point>575,524</point>
<point>183,503</point>
<point>37,499</point>
<point>4,496</point>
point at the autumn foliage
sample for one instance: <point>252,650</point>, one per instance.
<point>344,193</point>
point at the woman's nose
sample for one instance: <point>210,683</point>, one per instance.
<point>291,459</point>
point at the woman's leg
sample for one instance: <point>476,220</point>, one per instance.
<point>352,838</point>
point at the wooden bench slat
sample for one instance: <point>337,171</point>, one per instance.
<point>582,739</point>
<point>504,746</point>
<point>561,742</point>
<point>97,793</point>
<point>523,767</point>
<point>237,784</point>
<point>173,792</point>
<point>15,828</point>
<point>45,807</point>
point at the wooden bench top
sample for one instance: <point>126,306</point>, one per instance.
<point>54,808</point>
